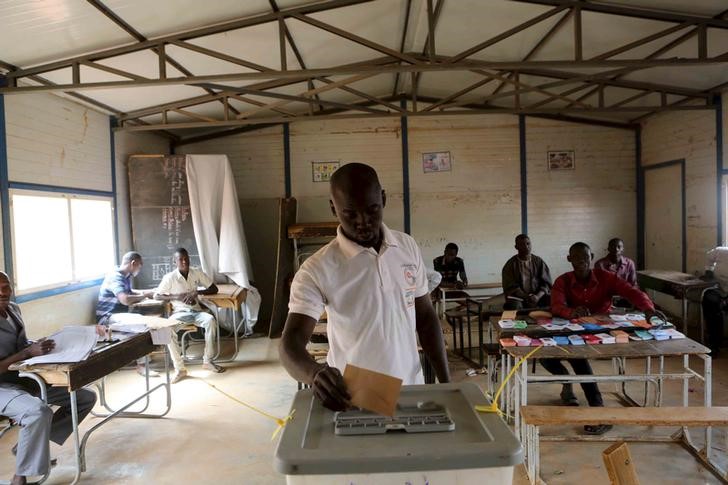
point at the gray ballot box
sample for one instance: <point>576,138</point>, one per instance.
<point>481,449</point>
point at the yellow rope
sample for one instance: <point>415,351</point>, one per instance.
<point>281,422</point>
<point>493,408</point>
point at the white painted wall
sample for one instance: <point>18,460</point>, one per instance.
<point>688,135</point>
<point>374,142</point>
<point>55,141</point>
<point>127,144</point>
<point>477,204</point>
<point>593,203</point>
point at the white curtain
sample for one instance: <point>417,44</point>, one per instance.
<point>216,219</point>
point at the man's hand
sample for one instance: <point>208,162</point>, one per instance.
<point>459,285</point>
<point>579,312</point>
<point>148,293</point>
<point>532,301</point>
<point>329,387</point>
<point>190,298</point>
<point>41,347</point>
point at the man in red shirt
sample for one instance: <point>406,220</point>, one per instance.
<point>582,292</point>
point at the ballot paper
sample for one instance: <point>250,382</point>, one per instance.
<point>548,342</point>
<point>618,318</point>
<point>138,323</point>
<point>372,390</point>
<point>562,322</point>
<point>574,327</point>
<point>606,338</point>
<point>73,344</point>
<point>634,317</point>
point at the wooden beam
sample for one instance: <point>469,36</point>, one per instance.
<point>195,116</point>
<point>396,115</point>
<point>162,62</point>
<point>221,56</point>
<point>578,45</point>
<point>505,35</point>
<point>625,11</point>
<point>430,31</point>
<point>191,34</point>
<point>457,94</point>
<point>282,43</point>
<point>539,45</point>
<point>408,10</point>
<point>642,41</point>
<point>619,465</point>
<point>112,70</point>
<point>354,38</point>
<point>305,74</point>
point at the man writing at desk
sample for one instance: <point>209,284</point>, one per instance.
<point>18,401</point>
<point>371,281</point>
<point>579,293</point>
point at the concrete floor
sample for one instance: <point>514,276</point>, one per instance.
<point>209,438</point>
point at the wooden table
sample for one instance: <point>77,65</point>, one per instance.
<point>618,353</point>
<point>232,297</point>
<point>678,285</point>
<point>106,359</point>
<point>477,287</point>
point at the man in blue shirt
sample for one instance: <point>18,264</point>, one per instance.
<point>115,294</point>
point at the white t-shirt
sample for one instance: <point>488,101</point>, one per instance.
<point>174,283</point>
<point>369,298</point>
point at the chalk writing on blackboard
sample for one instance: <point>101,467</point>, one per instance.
<point>173,219</point>
<point>174,171</point>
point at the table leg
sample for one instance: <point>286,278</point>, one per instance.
<point>707,398</point>
<point>685,313</point>
<point>80,465</point>
<point>480,338</point>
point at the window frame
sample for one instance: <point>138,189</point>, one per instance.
<point>74,283</point>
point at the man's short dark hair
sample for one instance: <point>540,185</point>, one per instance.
<point>521,236</point>
<point>614,241</point>
<point>452,246</point>
<point>579,245</point>
<point>181,251</point>
<point>131,256</point>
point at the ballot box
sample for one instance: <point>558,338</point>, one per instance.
<point>435,438</point>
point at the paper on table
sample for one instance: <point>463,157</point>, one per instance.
<point>138,323</point>
<point>372,390</point>
<point>73,344</point>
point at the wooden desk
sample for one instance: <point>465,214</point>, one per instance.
<point>676,284</point>
<point>102,362</point>
<point>618,353</point>
<point>309,230</point>
<point>230,297</point>
<point>477,286</point>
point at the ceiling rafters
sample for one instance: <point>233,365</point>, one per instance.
<point>126,27</point>
<point>511,73</point>
<point>405,28</point>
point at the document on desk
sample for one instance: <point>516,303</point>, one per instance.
<point>138,323</point>
<point>73,344</point>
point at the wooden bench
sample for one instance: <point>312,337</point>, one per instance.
<point>699,417</point>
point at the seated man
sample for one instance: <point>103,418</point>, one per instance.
<point>526,278</point>
<point>615,262</point>
<point>18,396</point>
<point>450,267</point>
<point>715,299</point>
<point>115,296</point>
<point>582,292</point>
<point>181,288</point>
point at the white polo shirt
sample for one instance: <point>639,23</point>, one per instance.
<point>369,298</point>
<point>174,283</point>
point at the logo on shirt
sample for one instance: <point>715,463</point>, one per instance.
<point>410,272</point>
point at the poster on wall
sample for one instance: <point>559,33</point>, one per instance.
<point>561,160</point>
<point>436,162</point>
<point>322,171</point>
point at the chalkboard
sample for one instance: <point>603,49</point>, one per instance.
<point>160,214</point>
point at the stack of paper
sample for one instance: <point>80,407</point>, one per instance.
<point>548,342</point>
<point>606,338</point>
<point>620,336</point>
<point>507,342</point>
<point>660,334</point>
<point>575,327</point>
<point>591,339</point>
<point>575,340</point>
<point>674,334</point>
<point>522,340</point>
<point>73,344</point>
<point>561,340</point>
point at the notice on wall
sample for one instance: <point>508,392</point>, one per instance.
<point>322,171</point>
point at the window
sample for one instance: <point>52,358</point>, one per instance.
<point>60,239</point>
